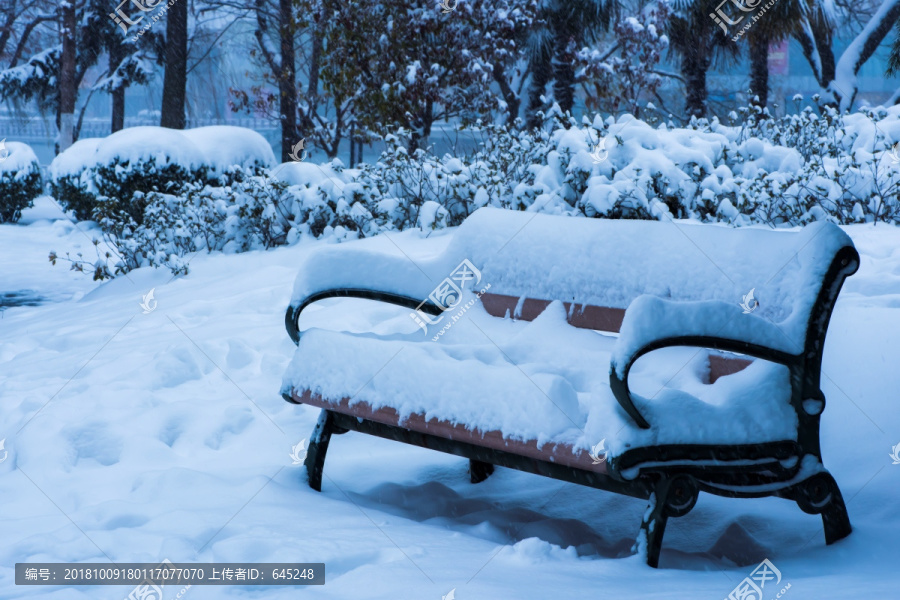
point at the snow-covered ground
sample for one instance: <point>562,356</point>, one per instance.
<point>136,437</point>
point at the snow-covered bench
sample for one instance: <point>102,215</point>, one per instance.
<point>730,404</point>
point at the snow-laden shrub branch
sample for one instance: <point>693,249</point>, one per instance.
<point>625,76</point>
<point>20,180</point>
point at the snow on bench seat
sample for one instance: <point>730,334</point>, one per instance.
<point>542,384</point>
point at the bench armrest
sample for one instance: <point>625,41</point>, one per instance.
<point>353,272</point>
<point>652,323</point>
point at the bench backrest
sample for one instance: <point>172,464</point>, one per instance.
<point>607,264</point>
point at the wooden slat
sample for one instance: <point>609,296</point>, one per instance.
<point>720,366</point>
<point>585,316</point>
<point>589,316</point>
<point>558,453</point>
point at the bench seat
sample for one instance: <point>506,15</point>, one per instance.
<point>536,384</point>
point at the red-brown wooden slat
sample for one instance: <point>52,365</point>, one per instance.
<point>560,453</point>
<point>720,366</point>
<point>589,316</point>
<point>585,316</point>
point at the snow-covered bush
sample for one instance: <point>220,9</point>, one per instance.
<point>70,176</point>
<point>402,190</point>
<point>848,168</point>
<point>224,147</point>
<point>20,180</point>
<point>235,218</point>
<point>137,159</point>
<point>791,170</point>
<point>152,159</point>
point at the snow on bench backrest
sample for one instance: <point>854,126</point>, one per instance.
<point>611,262</point>
<point>599,262</point>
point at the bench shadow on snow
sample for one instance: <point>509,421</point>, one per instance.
<point>482,517</point>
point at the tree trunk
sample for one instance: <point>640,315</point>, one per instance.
<point>862,48</point>
<point>822,34</point>
<point>694,64</point>
<point>287,90</point>
<point>414,141</point>
<point>117,95</point>
<point>563,70</point>
<point>420,128</point>
<point>352,137</point>
<point>513,102</point>
<point>759,68</point>
<point>67,86</point>
<point>7,29</point>
<point>175,78</point>
<point>541,73</point>
<point>307,123</point>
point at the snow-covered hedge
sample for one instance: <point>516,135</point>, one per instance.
<point>810,166</point>
<point>787,171</point>
<point>20,180</point>
<point>814,165</point>
<point>151,159</point>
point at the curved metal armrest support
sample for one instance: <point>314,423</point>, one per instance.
<point>293,312</point>
<point>619,384</point>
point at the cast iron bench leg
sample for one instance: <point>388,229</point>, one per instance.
<point>820,495</point>
<point>479,471</point>
<point>673,496</point>
<point>653,526</point>
<point>318,447</point>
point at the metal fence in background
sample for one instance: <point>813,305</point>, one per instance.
<point>38,129</point>
<point>40,133</point>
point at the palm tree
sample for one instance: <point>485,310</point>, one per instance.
<point>564,26</point>
<point>777,24</point>
<point>696,38</point>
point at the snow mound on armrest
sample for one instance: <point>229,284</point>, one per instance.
<point>649,318</point>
